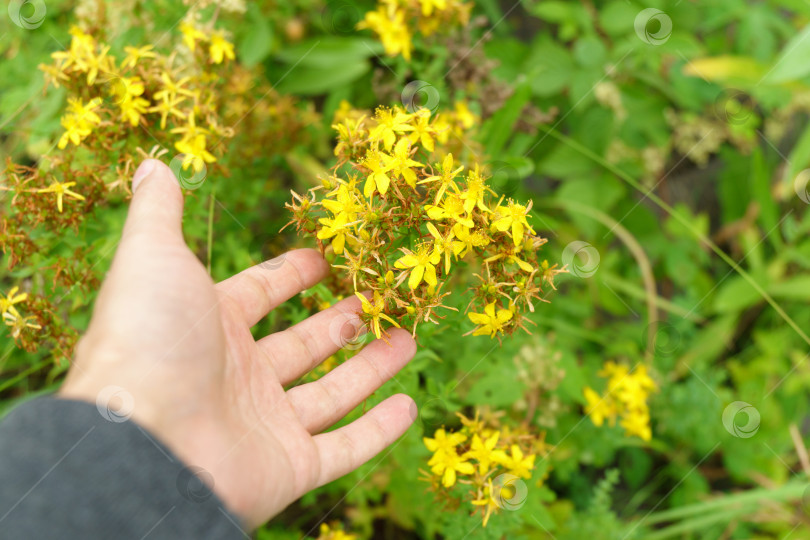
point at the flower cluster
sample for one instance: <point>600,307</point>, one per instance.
<point>489,460</point>
<point>143,83</point>
<point>396,21</point>
<point>122,106</point>
<point>398,216</point>
<point>626,397</point>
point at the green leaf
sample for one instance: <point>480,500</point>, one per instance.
<point>498,129</point>
<point>308,80</point>
<point>792,63</point>
<point>256,43</point>
<point>331,52</point>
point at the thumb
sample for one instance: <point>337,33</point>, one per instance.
<point>157,203</point>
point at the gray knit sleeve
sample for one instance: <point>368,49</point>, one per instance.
<point>68,472</point>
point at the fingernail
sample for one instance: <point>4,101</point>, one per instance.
<point>413,411</point>
<point>143,171</point>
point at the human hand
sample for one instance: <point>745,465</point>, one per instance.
<point>181,346</point>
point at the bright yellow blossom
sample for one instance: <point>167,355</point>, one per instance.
<point>447,177</point>
<point>512,217</point>
<point>483,451</point>
<point>389,23</point>
<point>61,189</point>
<point>7,302</point>
<point>517,463</point>
<point>490,322</point>
<point>220,48</point>
<point>447,464</point>
<point>79,121</point>
<point>194,152</point>
<point>191,35</point>
<point>422,264</point>
<point>376,310</point>
<point>337,229</point>
<point>378,178</point>
<point>443,441</point>
<point>390,123</point>
<point>135,54</point>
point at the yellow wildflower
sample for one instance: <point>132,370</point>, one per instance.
<point>327,533</point>
<point>337,229</point>
<point>429,5</point>
<point>127,91</point>
<point>422,130</point>
<point>191,35</point>
<point>390,122</point>
<point>517,463</point>
<point>512,217</point>
<point>442,244</point>
<point>7,302</point>
<point>467,240</point>
<point>488,500</point>
<point>483,451</point>
<point>79,121</point>
<point>598,408</point>
<point>135,54</point>
<point>443,441</point>
<point>447,177</point>
<point>451,208</point>
<point>389,23</point>
<point>18,324</point>
<point>422,265</point>
<point>401,162</point>
<point>447,464</point>
<point>378,177</point>
<point>194,152</point>
<point>220,48</point>
<point>490,322</point>
<point>376,310</point>
<point>61,189</point>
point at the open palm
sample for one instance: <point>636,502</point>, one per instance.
<point>180,348</point>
